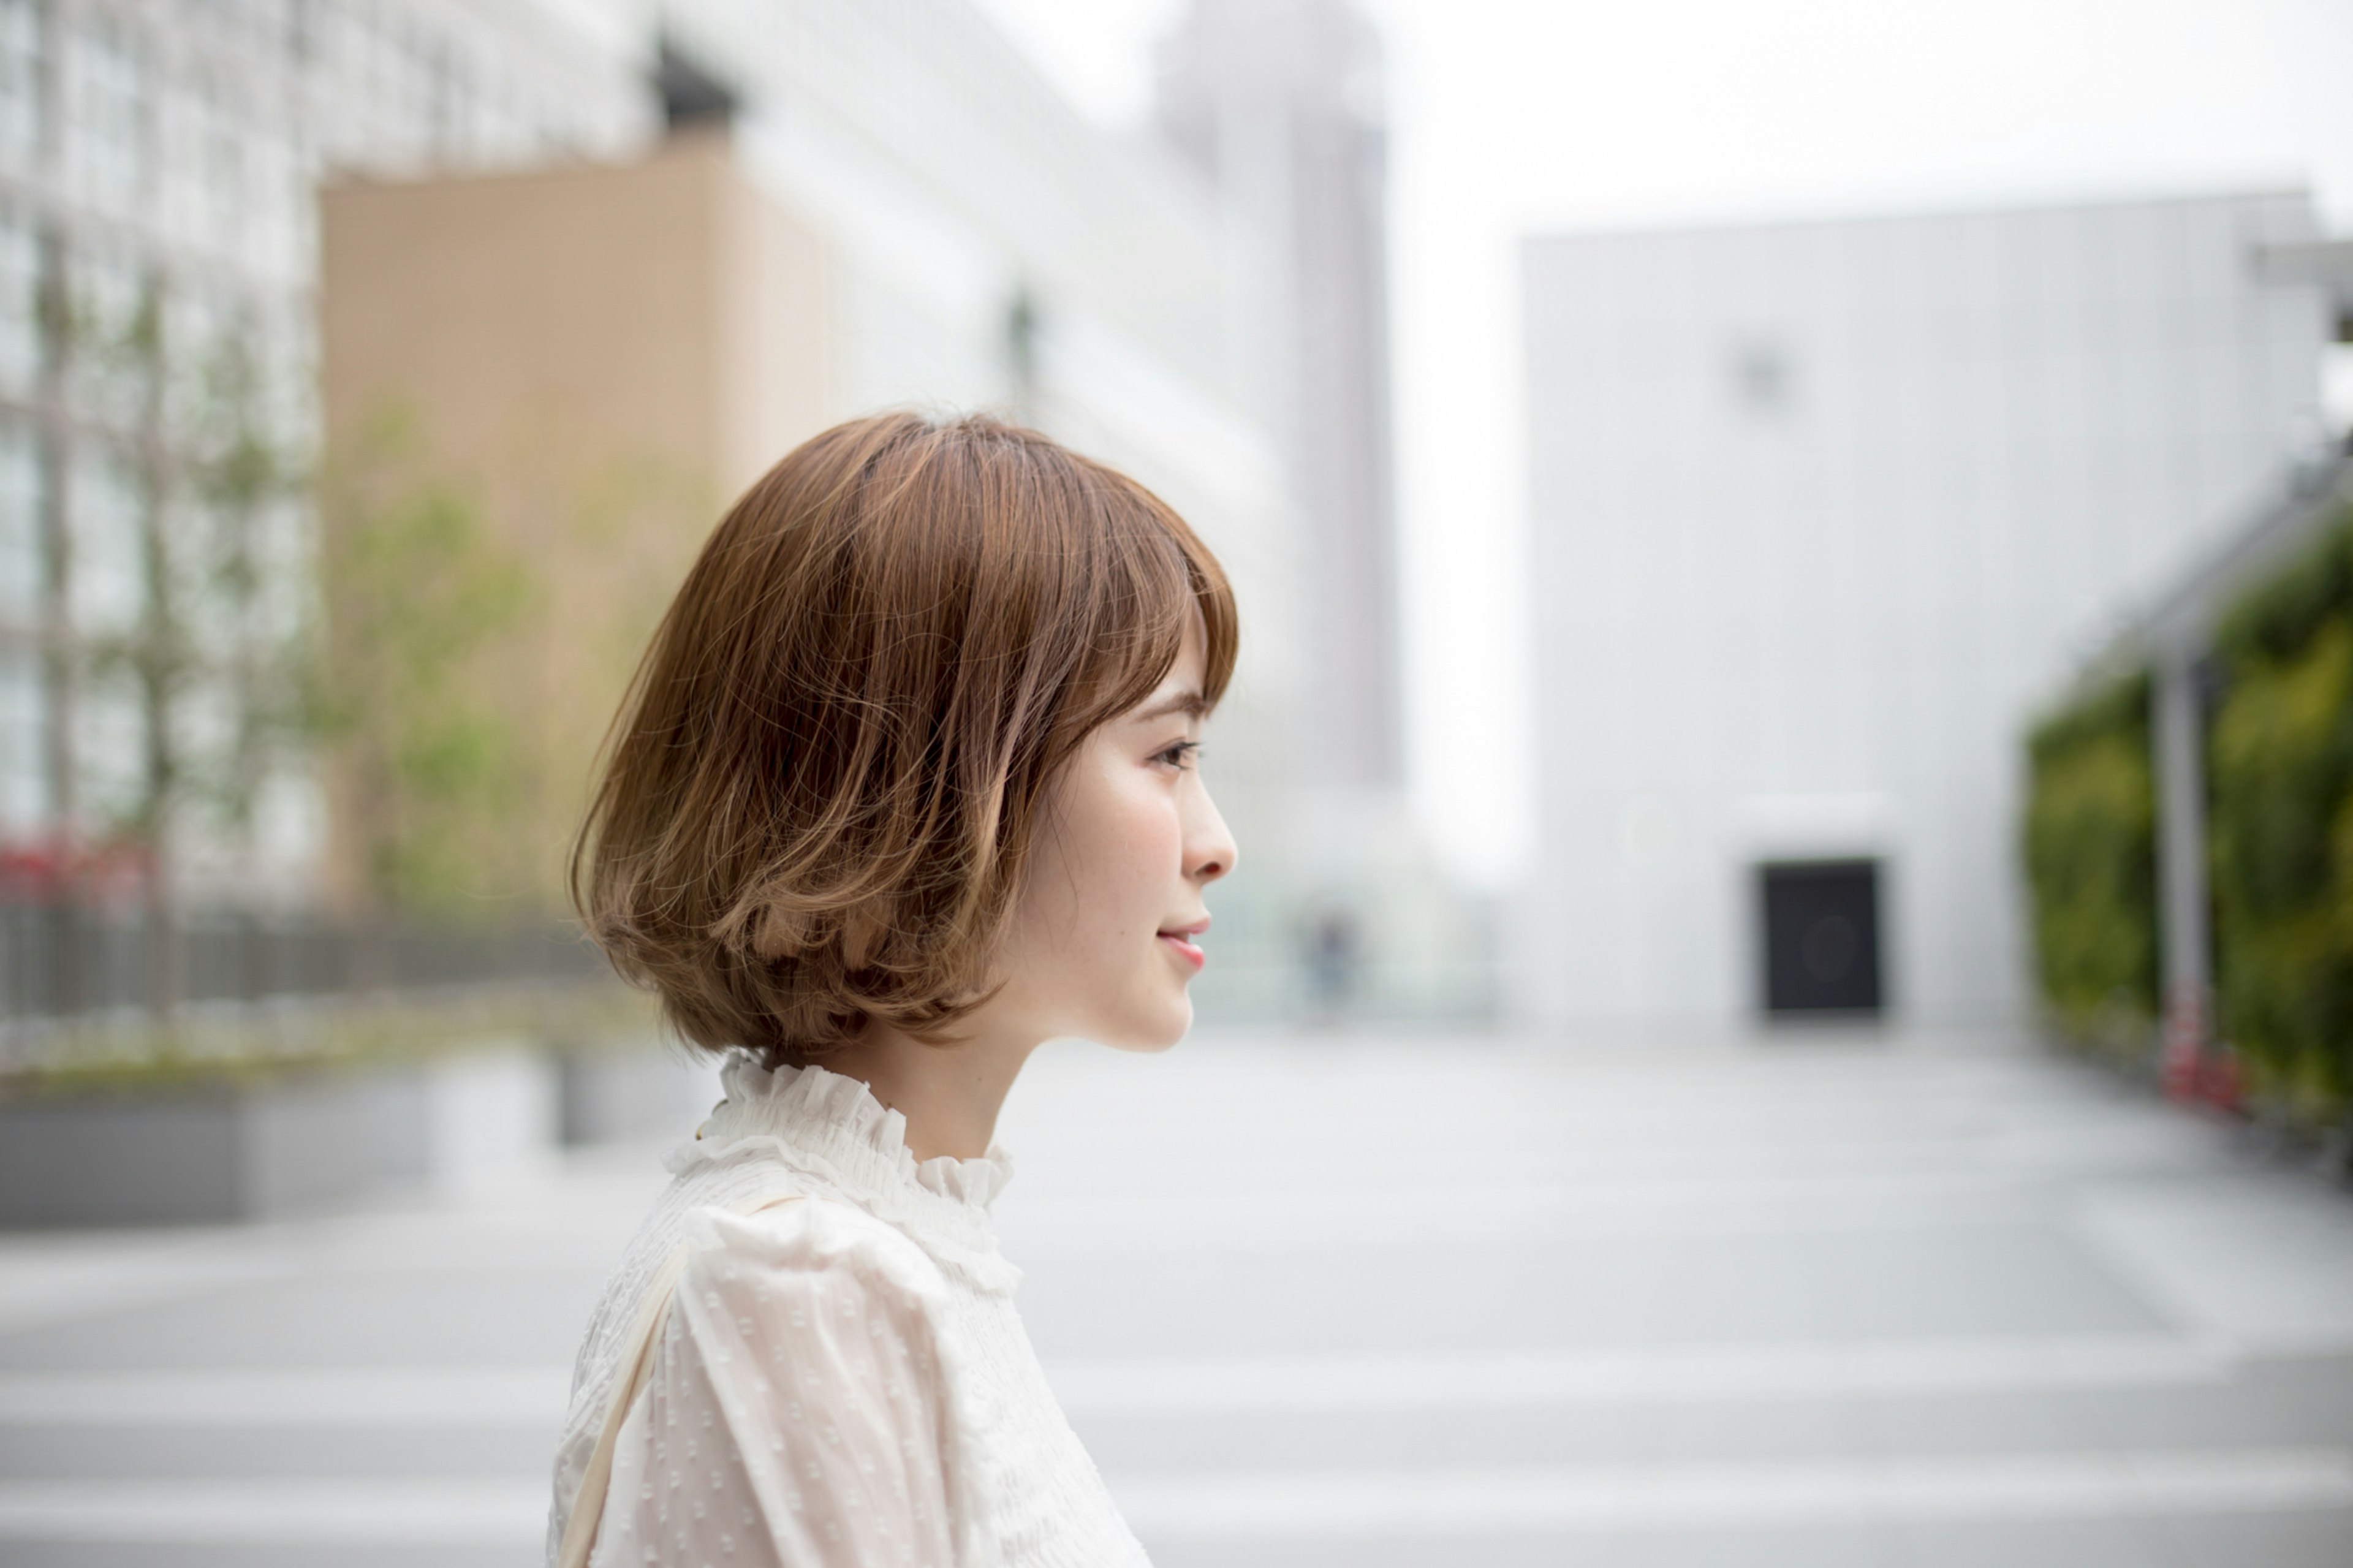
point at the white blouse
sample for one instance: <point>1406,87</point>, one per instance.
<point>842,1380</point>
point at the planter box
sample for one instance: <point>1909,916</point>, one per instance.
<point>208,1155</point>
<point>491,1115</point>
<point>216,1153</point>
<point>651,1093</point>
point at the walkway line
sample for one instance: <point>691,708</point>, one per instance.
<point>275,1396</point>
<point>1567,1500</point>
<point>1859,1370</point>
<point>1543,1499</point>
<point>528,1395</point>
<point>407,1512</point>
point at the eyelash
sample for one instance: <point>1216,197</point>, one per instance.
<point>1177,755</point>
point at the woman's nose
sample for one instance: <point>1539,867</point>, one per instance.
<point>1210,850</point>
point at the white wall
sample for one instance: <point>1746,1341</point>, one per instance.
<point>1820,511</point>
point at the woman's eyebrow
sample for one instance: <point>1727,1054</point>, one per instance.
<point>1188,702</point>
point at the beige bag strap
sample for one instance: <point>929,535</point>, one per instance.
<point>628,1378</point>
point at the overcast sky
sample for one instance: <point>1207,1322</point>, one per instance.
<point>1510,117</point>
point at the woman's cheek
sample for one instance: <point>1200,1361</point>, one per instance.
<point>1159,848</point>
<point>1110,862</point>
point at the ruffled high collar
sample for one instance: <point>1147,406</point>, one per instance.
<point>831,1128</point>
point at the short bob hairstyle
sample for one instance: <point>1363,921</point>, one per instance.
<point>822,786</point>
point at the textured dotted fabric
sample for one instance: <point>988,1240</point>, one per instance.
<point>842,1377</point>
<point>794,1412</point>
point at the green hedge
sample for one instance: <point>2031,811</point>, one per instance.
<point>2091,865</point>
<point>2280,828</point>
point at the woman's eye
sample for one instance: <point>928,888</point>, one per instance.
<point>1178,755</point>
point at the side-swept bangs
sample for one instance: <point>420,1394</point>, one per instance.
<point>823,784</point>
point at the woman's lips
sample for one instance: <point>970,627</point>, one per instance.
<point>1185,950</point>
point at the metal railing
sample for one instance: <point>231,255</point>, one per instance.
<point>59,961</point>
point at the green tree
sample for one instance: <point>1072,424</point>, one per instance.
<point>206,473</point>
<point>419,591</point>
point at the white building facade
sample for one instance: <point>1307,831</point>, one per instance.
<point>1820,510</point>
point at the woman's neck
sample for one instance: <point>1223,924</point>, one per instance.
<point>950,1095</point>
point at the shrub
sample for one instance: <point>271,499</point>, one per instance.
<point>2091,865</point>
<point>2280,763</point>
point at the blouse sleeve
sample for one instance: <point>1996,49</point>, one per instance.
<point>797,1413</point>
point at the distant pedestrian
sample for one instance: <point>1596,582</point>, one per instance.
<point>905,788</point>
<point>1332,963</point>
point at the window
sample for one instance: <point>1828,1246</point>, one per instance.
<point>24,491</point>
<point>24,744</point>
<point>109,752</point>
<point>20,303</point>
<point>24,90</point>
<point>199,358</point>
<point>221,172</point>
<point>108,572</point>
<point>107,126</point>
<point>111,354</point>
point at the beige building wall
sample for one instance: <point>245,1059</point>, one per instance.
<point>600,358</point>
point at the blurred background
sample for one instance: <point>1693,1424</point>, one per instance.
<point>1791,997</point>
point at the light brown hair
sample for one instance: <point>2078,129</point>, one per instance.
<point>822,785</point>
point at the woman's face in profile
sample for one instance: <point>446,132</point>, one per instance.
<point>1106,932</point>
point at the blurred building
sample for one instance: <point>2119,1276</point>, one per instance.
<point>555,380</point>
<point>957,236</point>
<point>895,208</point>
<point>1820,510</point>
<point>852,212</point>
<point>1279,103</point>
<point>157,265</point>
<point>2171,636</point>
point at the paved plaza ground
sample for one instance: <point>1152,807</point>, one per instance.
<point>1353,1300</point>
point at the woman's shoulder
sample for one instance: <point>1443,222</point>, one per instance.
<point>779,1287</point>
<point>809,1236</point>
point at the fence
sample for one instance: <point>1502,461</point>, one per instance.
<point>60,961</point>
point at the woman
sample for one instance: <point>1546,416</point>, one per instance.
<point>903,788</point>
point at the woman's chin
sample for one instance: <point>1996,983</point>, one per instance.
<point>1146,1037</point>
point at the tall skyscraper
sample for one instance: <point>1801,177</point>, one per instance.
<point>1279,102</point>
